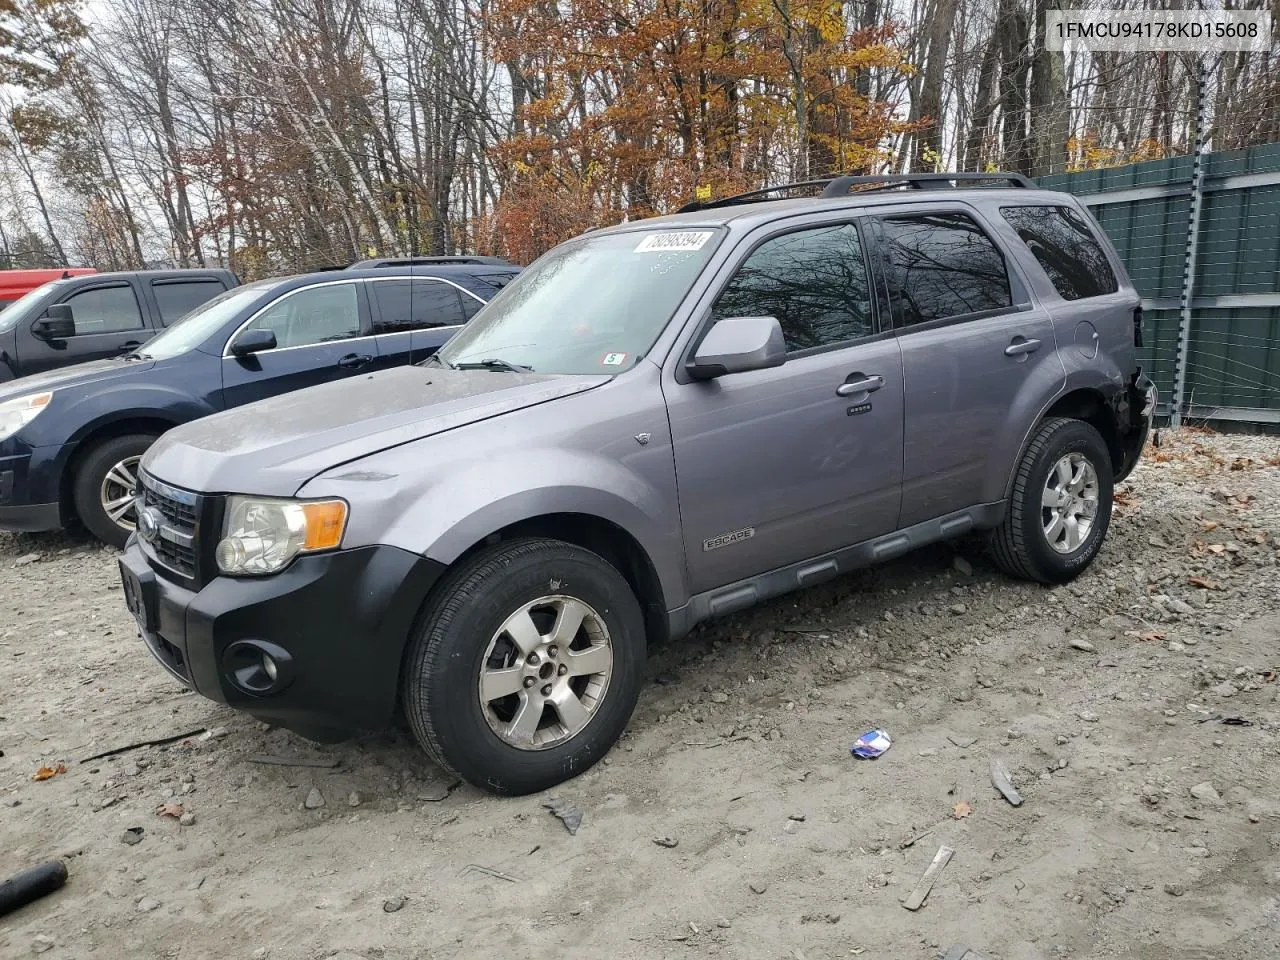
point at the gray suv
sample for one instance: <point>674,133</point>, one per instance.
<point>652,425</point>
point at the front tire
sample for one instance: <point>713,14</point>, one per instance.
<point>526,666</point>
<point>1060,509</point>
<point>103,486</point>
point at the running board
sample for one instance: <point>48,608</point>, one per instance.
<point>806,573</point>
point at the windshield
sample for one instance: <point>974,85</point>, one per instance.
<point>204,321</point>
<point>14,312</point>
<point>594,304</point>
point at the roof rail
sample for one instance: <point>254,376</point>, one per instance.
<point>839,186</point>
<point>438,261</point>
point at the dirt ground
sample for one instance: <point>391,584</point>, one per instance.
<point>1149,828</point>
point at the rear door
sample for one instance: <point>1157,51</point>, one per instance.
<point>415,317</point>
<point>109,320</point>
<point>323,333</point>
<point>175,298</point>
<point>974,347</point>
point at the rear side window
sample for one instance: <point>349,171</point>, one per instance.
<point>815,283</point>
<point>1066,248</point>
<point>405,305</point>
<point>940,266</point>
<point>320,314</point>
<point>177,298</point>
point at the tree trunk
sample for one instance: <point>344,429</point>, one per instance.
<point>1049,115</point>
<point>928,144</point>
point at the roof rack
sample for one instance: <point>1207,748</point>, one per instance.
<point>440,261</point>
<point>839,186</point>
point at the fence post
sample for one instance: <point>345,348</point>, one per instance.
<point>1193,245</point>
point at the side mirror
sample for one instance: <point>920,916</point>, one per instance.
<point>253,341</point>
<point>58,323</point>
<point>739,344</point>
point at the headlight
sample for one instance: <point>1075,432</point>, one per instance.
<point>16,414</point>
<point>263,536</point>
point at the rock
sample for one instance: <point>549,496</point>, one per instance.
<point>187,819</point>
<point>758,886</point>
<point>1174,605</point>
<point>217,733</point>
<point>393,904</point>
<point>261,953</point>
<point>958,608</point>
<point>720,697</point>
<point>1078,643</point>
<point>1088,716</point>
<point>963,566</point>
<point>1205,792</point>
<point>26,560</point>
<point>354,799</point>
<point>1174,889</point>
<point>40,943</point>
<point>147,904</point>
<point>1226,689</point>
<point>132,835</point>
<point>315,799</point>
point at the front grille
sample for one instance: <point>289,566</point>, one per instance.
<point>175,544</point>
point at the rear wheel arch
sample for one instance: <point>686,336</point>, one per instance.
<point>1087,404</point>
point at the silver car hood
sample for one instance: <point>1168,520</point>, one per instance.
<point>274,446</point>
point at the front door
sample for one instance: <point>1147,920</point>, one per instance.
<point>972,344</point>
<point>109,323</point>
<point>322,334</point>
<point>776,466</point>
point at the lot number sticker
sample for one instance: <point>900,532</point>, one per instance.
<point>614,359</point>
<point>680,241</point>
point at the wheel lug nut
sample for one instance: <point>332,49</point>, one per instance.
<point>533,659</point>
<point>529,682</point>
<point>563,670</point>
<point>546,690</point>
<point>551,650</point>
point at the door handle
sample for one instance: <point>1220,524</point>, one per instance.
<point>862,384</point>
<point>354,361</point>
<point>129,347</point>
<point>1020,346</point>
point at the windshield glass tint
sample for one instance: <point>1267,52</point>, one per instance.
<point>205,320</point>
<point>14,312</point>
<point>591,305</point>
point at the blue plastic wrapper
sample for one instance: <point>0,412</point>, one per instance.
<point>871,744</point>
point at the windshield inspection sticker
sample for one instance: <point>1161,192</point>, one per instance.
<point>614,359</point>
<point>679,240</point>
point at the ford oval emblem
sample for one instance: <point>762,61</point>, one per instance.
<point>149,521</point>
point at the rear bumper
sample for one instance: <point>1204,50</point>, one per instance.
<point>335,626</point>
<point>1142,410</point>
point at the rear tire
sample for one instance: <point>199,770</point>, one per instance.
<point>102,481</point>
<point>1060,508</point>
<point>526,666</point>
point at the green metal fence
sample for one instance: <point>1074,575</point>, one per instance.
<point>1230,369</point>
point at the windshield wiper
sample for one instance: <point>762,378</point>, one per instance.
<point>493,363</point>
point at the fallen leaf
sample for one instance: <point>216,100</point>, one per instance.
<point>1123,497</point>
<point>961,810</point>
<point>1209,525</point>
<point>48,773</point>
<point>1241,463</point>
<point>1216,548</point>
<point>169,810</point>
<point>1149,637</point>
<point>1202,582</point>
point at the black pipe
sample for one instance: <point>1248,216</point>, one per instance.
<point>22,888</point>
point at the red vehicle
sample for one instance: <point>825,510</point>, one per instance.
<point>15,284</point>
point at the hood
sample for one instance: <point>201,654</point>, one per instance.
<point>274,446</point>
<point>78,375</point>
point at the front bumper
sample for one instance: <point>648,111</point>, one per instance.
<point>28,488</point>
<point>335,625</point>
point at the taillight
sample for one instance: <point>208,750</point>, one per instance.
<point>1137,326</point>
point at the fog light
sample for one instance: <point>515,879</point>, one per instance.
<point>258,667</point>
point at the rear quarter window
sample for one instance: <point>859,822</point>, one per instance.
<point>1062,243</point>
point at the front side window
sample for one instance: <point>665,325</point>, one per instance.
<point>105,310</point>
<point>405,305</point>
<point>814,281</point>
<point>1064,245</point>
<point>592,305</point>
<point>942,265</point>
<point>313,315</point>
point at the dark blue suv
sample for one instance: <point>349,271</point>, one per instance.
<point>70,439</point>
